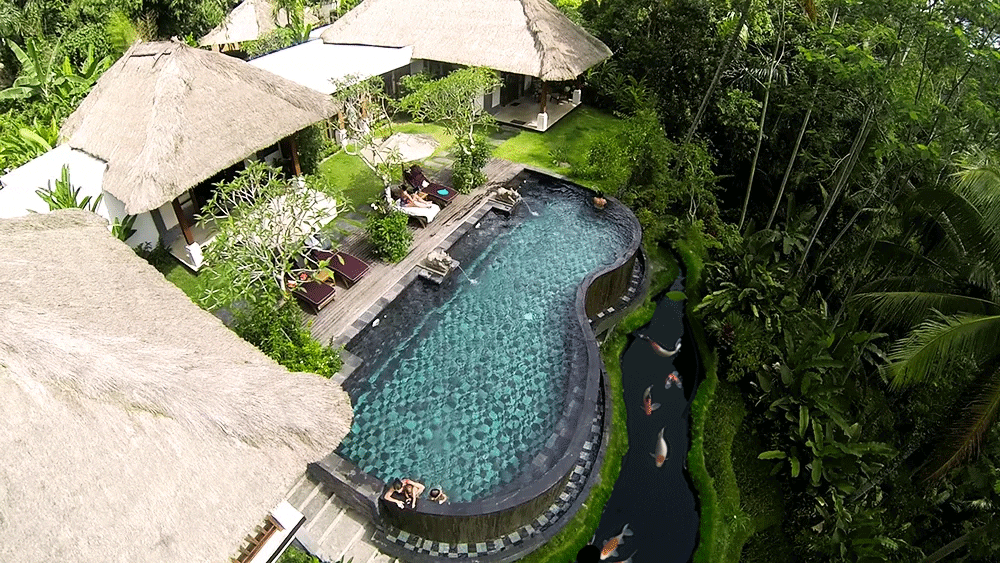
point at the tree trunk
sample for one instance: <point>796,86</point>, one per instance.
<point>760,137</point>
<point>718,72</point>
<point>845,173</point>
<point>958,543</point>
<point>788,169</point>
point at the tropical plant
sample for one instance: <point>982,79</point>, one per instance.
<point>263,221</point>
<point>43,79</point>
<point>25,143</point>
<point>364,116</point>
<point>122,227</point>
<point>451,101</point>
<point>389,234</point>
<point>278,332</point>
<point>950,297</point>
<point>64,196</point>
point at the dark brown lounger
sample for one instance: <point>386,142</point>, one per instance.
<point>349,272</point>
<point>438,193</point>
<point>314,294</point>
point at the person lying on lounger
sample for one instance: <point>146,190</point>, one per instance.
<point>406,199</point>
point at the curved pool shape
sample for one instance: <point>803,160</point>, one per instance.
<point>464,383</point>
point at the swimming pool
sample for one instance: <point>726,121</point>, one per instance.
<point>465,383</point>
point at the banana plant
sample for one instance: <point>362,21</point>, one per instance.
<point>43,79</point>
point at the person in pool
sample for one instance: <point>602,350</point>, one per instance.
<point>438,496</point>
<point>404,492</point>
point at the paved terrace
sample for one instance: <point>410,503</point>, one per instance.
<point>384,281</point>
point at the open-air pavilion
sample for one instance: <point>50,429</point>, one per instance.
<point>248,21</point>
<point>137,427</point>
<point>164,121</point>
<point>530,42</point>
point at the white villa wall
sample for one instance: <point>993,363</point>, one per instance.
<point>18,197</point>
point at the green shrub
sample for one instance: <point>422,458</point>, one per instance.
<point>293,555</point>
<point>158,256</point>
<point>270,42</point>
<point>467,173</point>
<point>278,332</point>
<point>389,235</point>
<point>313,147</point>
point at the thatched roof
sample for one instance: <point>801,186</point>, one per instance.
<point>249,20</point>
<point>136,427</point>
<point>167,116</point>
<point>530,37</point>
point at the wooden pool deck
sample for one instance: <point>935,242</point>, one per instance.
<point>332,324</point>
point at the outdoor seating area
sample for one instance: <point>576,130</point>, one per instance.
<point>438,193</point>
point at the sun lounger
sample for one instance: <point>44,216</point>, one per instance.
<point>438,193</point>
<point>423,215</point>
<point>314,294</point>
<point>347,268</point>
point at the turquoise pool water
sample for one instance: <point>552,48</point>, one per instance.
<point>464,383</point>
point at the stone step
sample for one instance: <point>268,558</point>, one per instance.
<point>337,538</point>
<point>359,549</point>
<point>379,557</point>
<point>326,515</point>
<point>301,492</point>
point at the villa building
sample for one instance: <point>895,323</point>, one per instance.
<point>158,129</point>
<point>137,427</point>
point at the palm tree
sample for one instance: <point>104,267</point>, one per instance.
<point>947,293</point>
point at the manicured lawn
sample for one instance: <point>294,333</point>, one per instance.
<point>193,285</point>
<point>568,140</point>
<point>359,183</point>
<point>578,531</point>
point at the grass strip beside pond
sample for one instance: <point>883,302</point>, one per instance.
<point>724,526</point>
<point>578,531</point>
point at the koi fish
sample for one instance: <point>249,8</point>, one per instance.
<point>648,406</point>
<point>673,378</point>
<point>660,455</point>
<point>660,350</point>
<point>629,560</point>
<point>611,546</point>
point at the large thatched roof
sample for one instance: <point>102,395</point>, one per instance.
<point>251,19</point>
<point>167,116</point>
<point>136,427</point>
<point>530,37</point>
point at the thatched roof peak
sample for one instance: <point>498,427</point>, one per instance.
<point>136,426</point>
<point>251,19</point>
<point>166,116</point>
<point>530,37</point>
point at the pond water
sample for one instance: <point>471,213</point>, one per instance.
<point>657,503</point>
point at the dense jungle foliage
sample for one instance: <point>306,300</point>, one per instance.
<point>838,158</point>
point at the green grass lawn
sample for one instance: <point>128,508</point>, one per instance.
<point>193,285</point>
<point>359,183</point>
<point>569,139</point>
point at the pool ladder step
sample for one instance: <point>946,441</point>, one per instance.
<point>333,531</point>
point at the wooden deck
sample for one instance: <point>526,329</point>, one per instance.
<point>332,322</point>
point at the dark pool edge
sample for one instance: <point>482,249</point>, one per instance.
<point>362,491</point>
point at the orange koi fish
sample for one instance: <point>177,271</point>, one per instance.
<point>648,406</point>
<point>660,350</point>
<point>660,455</point>
<point>611,546</point>
<point>673,378</point>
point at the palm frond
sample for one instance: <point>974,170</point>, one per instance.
<point>892,254</point>
<point>969,432</point>
<point>968,219</point>
<point>935,341</point>
<point>908,308</point>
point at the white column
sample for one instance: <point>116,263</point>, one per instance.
<point>543,122</point>
<point>576,97</point>
<point>496,98</point>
